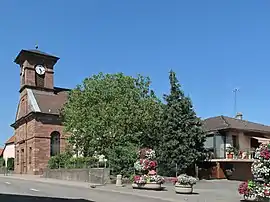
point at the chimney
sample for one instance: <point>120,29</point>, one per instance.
<point>239,116</point>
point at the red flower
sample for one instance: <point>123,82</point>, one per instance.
<point>243,188</point>
<point>152,164</point>
<point>266,192</point>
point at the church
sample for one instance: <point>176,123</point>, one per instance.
<point>38,131</point>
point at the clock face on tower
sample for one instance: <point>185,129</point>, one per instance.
<point>40,70</point>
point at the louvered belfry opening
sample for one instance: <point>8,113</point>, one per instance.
<point>40,80</point>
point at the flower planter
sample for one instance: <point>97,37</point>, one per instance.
<point>229,156</point>
<point>149,186</point>
<point>183,189</point>
<point>263,199</point>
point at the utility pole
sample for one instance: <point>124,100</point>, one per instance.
<point>235,100</point>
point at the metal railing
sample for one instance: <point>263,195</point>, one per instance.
<point>236,154</point>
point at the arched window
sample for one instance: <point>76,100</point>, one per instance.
<point>55,143</point>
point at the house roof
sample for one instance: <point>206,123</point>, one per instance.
<point>44,102</point>
<point>225,122</point>
<point>11,140</point>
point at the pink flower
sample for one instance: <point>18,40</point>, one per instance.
<point>265,154</point>
<point>174,180</point>
<point>243,188</point>
<point>136,178</point>
<point>266,192</point>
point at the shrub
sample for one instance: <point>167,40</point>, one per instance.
<point>10,164</point>
<point>2,162</point>
<point>67,161</point>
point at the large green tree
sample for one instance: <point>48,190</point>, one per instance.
<point>182,134</point>
<point>109,111</point>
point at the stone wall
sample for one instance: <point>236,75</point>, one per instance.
<point>92,175</point>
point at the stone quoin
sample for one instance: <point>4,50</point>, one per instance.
<point>38,128</point>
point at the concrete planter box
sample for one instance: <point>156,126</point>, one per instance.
<point>183,189</point>
<point>149,186</point>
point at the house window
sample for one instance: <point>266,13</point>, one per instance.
<point>234,141</point>
<point>209,142</point>
<point>55,143</point>
<point>30,155</point>
<point>18,157</point>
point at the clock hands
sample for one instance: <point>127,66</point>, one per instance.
<point>40,69</point>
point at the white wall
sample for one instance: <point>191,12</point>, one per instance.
<point>9,152</point>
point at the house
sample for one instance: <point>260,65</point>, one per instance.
<point>38,128</point>
<point>1,152</point>
<point>9,150</point>
<point>231,143</point>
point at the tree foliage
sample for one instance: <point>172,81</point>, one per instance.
<point>111,108</point>
<point>122,158</point>
<point>182,135</point>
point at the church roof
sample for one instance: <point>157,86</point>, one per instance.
<point>44,102</point>
<point>23,53</point>
<point>41,53</point>
<point>49,102</point>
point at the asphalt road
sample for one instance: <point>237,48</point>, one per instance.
<point>15,190</point>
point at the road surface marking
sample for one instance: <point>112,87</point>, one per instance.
<point>7,182</point>
<point>34,190</point>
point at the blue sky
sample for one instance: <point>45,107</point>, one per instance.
<point>214,46</point>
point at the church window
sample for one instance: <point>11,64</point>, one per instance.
<point>18,157</point>
<point>55,143</point>
<point>30,155</point>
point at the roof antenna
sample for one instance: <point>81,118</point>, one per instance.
<point>36,46</point>
<point>235,100</point>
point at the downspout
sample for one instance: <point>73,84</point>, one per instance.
<point>26,149</point>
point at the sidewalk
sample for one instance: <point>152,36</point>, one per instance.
<point>38,178</point>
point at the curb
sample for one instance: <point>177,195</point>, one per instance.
<point>97,189</point>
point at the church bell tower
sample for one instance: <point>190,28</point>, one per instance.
<point>36,69</point>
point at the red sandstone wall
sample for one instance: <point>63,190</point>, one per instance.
<point>36,147</point>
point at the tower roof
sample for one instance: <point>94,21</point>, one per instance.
<point>23,53</point>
